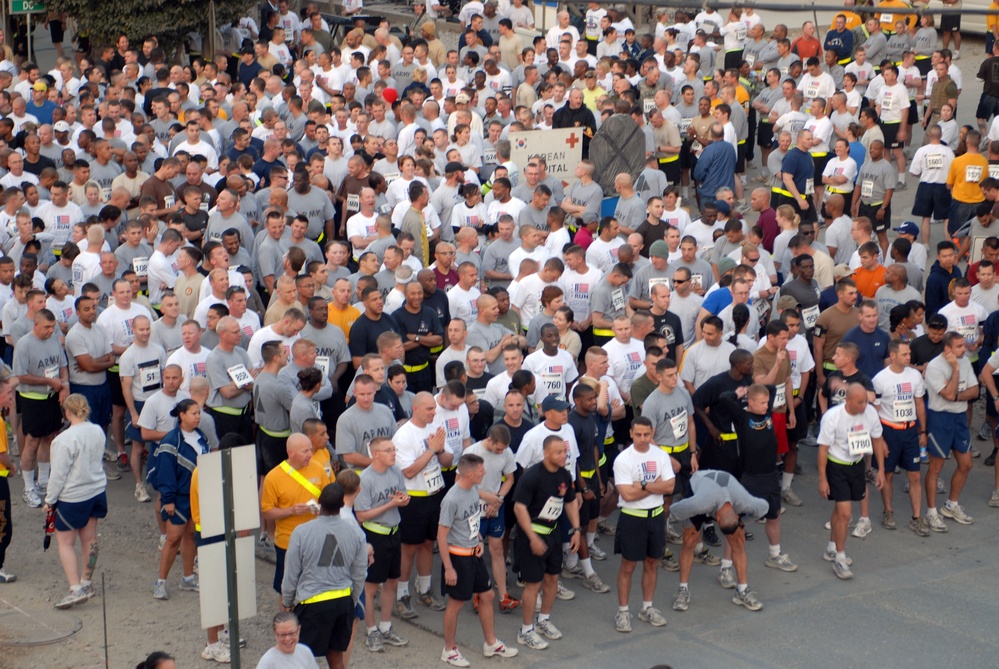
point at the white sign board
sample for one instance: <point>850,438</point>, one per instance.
<point>246,505</point>
<point>212,570</point>
<point>562,150</point>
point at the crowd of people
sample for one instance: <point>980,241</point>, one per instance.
<point>322,247</point>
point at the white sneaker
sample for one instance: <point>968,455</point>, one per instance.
<point>142,496</point>
<point>957,54</point>
<point>32,498</point>
<point>564,593</point>
<point>498,648</point>
<point>216,652</point>
<point>863,528</point>
<point>454,657</point>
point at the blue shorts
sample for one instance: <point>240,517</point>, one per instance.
<point>99,399</point>
<point>181,511</point>
<point>494,527</point>
<point>359,607</point>
<point>75,515</point>
<point>947,432</point>
<point>133,432</point>
<point>903,449</point>
<point>932,200</point>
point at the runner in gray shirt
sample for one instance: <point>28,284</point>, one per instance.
<point>496,256</point>
<point>272,402</point>
<point>487,337</point>
<point>85,339</point>
<point>460,510</point>
<point>377,488</point>
<point>669,414</point>
<point>219,362</point>
<point>357,426</point>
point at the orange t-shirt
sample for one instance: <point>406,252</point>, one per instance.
<point>281,491</point>
<point>869,280</point>
<point>342,318</point>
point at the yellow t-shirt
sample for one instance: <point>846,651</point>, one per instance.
<point>992,20</point>
<point>3,446</point>
<point>966,172</point>
<point>281,491</point>
<point>322,458</point>
<point>342,318</point>
<point>195,500</point>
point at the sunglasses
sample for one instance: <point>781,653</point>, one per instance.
<point>677,282</point>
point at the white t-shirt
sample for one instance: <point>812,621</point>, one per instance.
<point>627,362</point>
<point>849,436</point>
<point>630,466</point>
<point>532,446</point>
<point>895,394</point>
<point>552,374</point>
<point>193,364</point>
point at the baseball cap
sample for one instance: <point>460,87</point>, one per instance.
<point>842,270</point>
<point>61,126</point>
<point>462,99</point>
<point>726,264</point>
<point>40,86</point>
<point>390,95</point>
<point>786,302</point>
<point>908,228</point>
<point>723,207</point>
<point>553,403</point>
<point>453,167</point>
<point>659,249</point>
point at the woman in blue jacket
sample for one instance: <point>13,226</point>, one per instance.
<point>176,458</point>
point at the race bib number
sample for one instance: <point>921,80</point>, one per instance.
<point>903,411</point>
<point>740,33</point>
<point>659,281</point>
<point>553,384</point>
<point>994,171</point>
<point>810,314</point>
<point>762,308</point>
<point>696,281</point>
<point>323,363</point>
<point>617,299</point>
<point>784,71</point>
<point>432,477</point>
<point>648,105</point>
<point>679,425</point>
<point>52,372</point>
<point>934,161</point>
<point>141,267</point>
<point>867,188</point>
<point>812,90</point>
<point>149,376</point>
<point>240,376</point>
<point>962,385</point>
<point>888,20</point>
<point>685,125</point>
<point>473,524</point>
<point>105,194</point>
<point>780,397</point>
<point>750,59</point>
<point>169,201</point>
<point>389,178</point>
<point>809,186</point>
<point>203,207</point>
<point>353,202</point>
<point>489,157</point>
<point>973,173</point>
<point>859,443</point>
<point>552,509</point>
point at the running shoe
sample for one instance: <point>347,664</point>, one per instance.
<point>596,553</point>
<point>141,495</point>
<point>216,652</point>
<point>622,621</point>
<point>374,642</point>
<point>594,584</point>
<point>994,500</point>
<point>681,600</point>
<point>605,528</point>
<point>830,556</point>
<point>788,496</point>
<point>564,593</point>
<point>984,433</point>
<point>956,512</point>
<point>669,562</point>
<point>573,572</point>
<point>710,536</point>
<point>781,562</point>
<point>531,640</point>
<point>548,629</point>
<point>454,657</point>
<point>841,570</point>
<point>726,578</point>
<point>888,520</point>
<point>32,498</point>
<point>72,599</point>
<point>499,648</point>
<point>920,527</point>
<point>748,599</point>
<point>706,557</point>
<point>160,590</point>
<point>652,616</point>
<point>862,529</point>
<point>122,462</point>
<point>404,608</point>
<point>390,637</point>
<point>190,583</point>
<point>936,523</point>
<point>429,600</point>
<point>508,604</point>
<point>6,577</point>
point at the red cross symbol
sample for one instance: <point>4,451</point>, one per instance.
<point>572,140</point>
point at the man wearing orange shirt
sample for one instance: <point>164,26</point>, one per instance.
<point>807,45</point>
<point>341,312</point>
<point>966,172</point>
<point>871,274</point>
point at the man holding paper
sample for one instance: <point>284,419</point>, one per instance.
<point>231,381</point>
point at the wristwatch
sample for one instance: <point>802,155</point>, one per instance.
<point>573,530</point>
<point>417,339</point>
<point>644,483</point>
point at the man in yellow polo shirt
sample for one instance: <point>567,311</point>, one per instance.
<point>289,496</point>
<point>966,172</point>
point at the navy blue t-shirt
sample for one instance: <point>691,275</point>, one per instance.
<point>800,166</point>
<point>873,349</point>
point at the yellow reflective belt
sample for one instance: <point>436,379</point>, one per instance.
<point>670,159</point>
<point>299,479</point>
<point>848,60</point>
<point>378,528</point>
<point>742,141</point>
<point>277,435</point>
<point>449,469</point>
<point>229,411</point>
<point>437,349</point>
<point>838,191</point>
<point>113,369</point>
<point>327,596</point>
<point>820,154</point>
<point>588,474</point>
<point>418,493</point>
<point>643,513</point>
<point>4,473</point>
<point>829,366</point>
<point>603,333</point>
<point>415,368</point>
<point>603,456</point>
<point>542,529</point>
<point>34,396</point>
<point>197,527</point>
<point>729,436</point>
<point>676,449</point>
<point>842,462</point>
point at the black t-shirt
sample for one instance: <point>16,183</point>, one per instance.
<point>36,168</point>
<point>650,233</point>
<point>757,440</point>
<point>196,222</point>
<point>834,389</point>
<point>669,326</point>
<point>923,350</point>
<point>586,430</point>
<point>516,433</point>
<point>544,492</point>
<point>364,333</point>
<point>439,305</point>
<point>479,383</point>
<point>723,456</point>
<point>421,324</point>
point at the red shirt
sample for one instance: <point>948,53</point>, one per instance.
<point>583,238</point>
<point>445,281</point>
<point>806,48</point>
